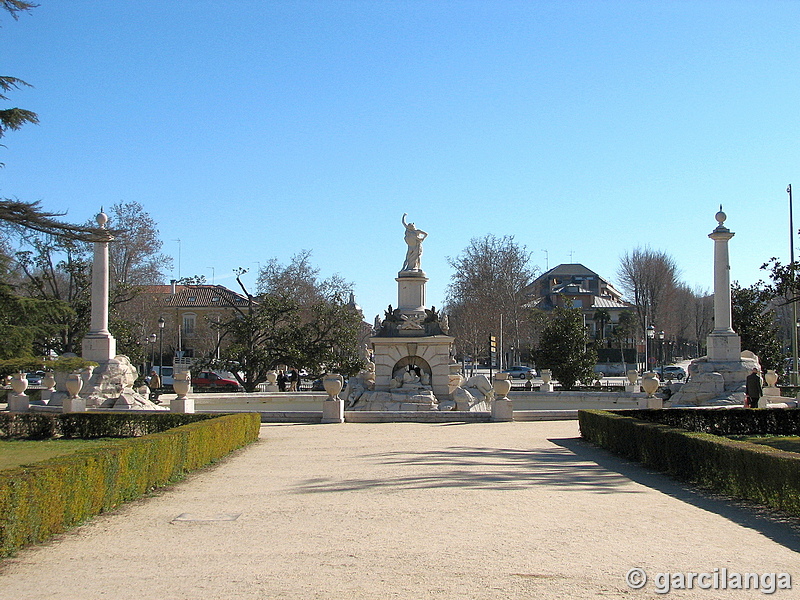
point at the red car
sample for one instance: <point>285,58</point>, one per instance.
<point>209,380</point>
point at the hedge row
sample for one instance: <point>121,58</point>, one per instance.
<point>725,421</point>
<point>741,469</point>
<point>46,498</point>
<point>40,426</point>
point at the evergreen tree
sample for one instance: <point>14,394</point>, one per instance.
<point>564,348</point>
<point>754,321</point>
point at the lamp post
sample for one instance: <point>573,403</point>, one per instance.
<point>152,341</point>
<point>661,350</point>
<point>651,333</point>
<point>161,323</point>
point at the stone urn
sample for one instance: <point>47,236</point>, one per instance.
<point>74,384</point>
<point>501,385</point>
<point>547,375</point>
<point>49,381</point>
<point>19,383</point>
<point>181,383</point>
<point>633,376</point>
<point>333,384</point>
<point>771,378</point>
<point>650,383</point>
<point>272,377</point>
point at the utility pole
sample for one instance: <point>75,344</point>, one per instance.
<point>793,370</point>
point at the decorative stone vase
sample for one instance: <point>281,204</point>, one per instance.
<point>501,385</point>
<point>272,377</point>
<point>74,384</point>
<point>333,384</point>
<point>181,382</point>
<point>650,383</point>
<point>19,383</point>
<point>547,375</point>
<point>49,381</point>
<point>633,376</point>
<point>771,378</point>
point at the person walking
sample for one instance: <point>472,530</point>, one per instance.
<point>282,379</point>
<point>155,386</point>
<point>753,388</point>
<point>294,380</point>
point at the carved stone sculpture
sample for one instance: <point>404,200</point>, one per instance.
<point>414,238</point>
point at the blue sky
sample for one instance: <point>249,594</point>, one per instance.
<point>255,129</point>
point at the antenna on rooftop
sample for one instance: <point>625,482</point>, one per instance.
<point>546,260</point>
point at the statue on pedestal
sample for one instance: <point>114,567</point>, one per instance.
<point>414,238</point>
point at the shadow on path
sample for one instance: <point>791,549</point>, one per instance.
<point>781,529</point>
<point>477,468</point>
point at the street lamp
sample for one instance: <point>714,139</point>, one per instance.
<point>152,341</point>
<point>651,333</point>
<point>161,323</point>
<point>661,350</point>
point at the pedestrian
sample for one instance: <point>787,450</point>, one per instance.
<point>294,380</point>
<point>155,386</point>
<point>282,381</point>
<point>753,388</point>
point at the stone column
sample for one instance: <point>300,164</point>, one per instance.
<point>723,343</point>
<point>411,292</point>
<point>98,344</point>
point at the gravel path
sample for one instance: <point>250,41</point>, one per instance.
<point>408,511</point>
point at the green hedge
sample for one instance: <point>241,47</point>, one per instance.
<point>736,468</point>
<point>725,421</point>
<point>90,425</point>
<point>46,498</point>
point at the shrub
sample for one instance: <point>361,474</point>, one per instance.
<point>737,468</point>
<point>46,498</point>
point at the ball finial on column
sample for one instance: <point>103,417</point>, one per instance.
<point>720,216</point>
<point>102,219</point>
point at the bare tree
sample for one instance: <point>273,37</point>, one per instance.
<point>299,280</point>
<point>135,254</point>
<point>650,278</point>
<point>487,284</point>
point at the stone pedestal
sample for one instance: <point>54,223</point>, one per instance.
<point>724,346</point>
<point>651,402</point>
<point>411,292</point>
<point>18,402</point>
<point>333,411</point>
<point>71,405</point>
<point>182,405</point>
<point>546,387</point>
<point>502,410</point>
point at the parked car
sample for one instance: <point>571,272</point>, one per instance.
<point>35,378</point>
<point>520,372</point>
<point>672,372</point>
<point>213,380</point>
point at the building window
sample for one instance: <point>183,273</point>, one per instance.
<point>189,322</point>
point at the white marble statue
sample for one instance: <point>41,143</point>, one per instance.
<point>414,238</point>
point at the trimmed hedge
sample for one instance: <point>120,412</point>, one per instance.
<point>725,421</point>
<point>40,500</point>
<point>39,426</point>
<point>741,469</point>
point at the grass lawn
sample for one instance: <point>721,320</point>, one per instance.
<point>788,443</point>
<point>14,453</point>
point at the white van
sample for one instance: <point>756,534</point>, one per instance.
<point>165,373</point>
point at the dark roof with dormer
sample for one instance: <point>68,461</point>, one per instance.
<point>199,296</point>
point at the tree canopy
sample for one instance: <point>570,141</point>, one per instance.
<point>489,280</point>
<point>563,348</point>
